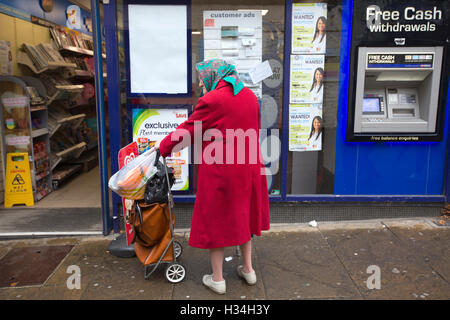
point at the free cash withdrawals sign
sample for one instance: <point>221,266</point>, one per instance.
<point>151,125</point>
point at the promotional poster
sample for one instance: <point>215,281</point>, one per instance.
<point>307,75</point>
<point>151,125</point>
<point>309,28</point>
<point>305,127</point>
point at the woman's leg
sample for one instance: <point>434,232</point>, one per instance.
<point>216,257</point>
<point>246,251</point>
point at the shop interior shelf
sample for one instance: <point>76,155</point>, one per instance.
<point>71,88</point>
<point>83,73</point>
<point>78,117</point>
<point>77,73</point>
<point>75,120</point>
<point>38,108</point>
<point>75,150</point>
<point>77,50</point>
<point>65,172</point>
<point>42,175</point>
<point>41,196</point>
<point>55,161</point>
<point>24,59</point>
<point>62,90</point>
<point>54,129</point>
<point>39,132</point>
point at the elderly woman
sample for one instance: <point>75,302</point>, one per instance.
<point>232,200</point>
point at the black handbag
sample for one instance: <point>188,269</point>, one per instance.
<point>157,187</point>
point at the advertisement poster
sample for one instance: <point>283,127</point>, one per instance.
<point>5,58</point>
<point>307,75</point>
<point>151,125</point>
<point>305,127</point>
<point>236,37</point>
<point>127,154</point>
<point>309,28</point>
<point>73,13</point>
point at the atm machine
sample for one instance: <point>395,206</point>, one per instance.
<point>398,75</point>
<point>397,90</point>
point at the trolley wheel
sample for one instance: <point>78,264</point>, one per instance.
<point>175,273</point>
<point>177,249</point>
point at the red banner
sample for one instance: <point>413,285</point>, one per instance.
<point>126,155</point>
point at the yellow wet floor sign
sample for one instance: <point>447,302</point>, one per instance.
<point>18,189</point>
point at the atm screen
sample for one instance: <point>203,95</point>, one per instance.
<point>371,105</point>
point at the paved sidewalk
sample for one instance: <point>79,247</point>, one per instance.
<point>329,261</point>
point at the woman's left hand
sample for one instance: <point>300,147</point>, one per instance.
<point>156,146</point>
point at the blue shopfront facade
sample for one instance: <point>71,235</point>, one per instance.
<point>385,167</point>
<point>384,171</point>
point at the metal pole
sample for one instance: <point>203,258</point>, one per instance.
<point>99,96</point>
<point>114,106</point>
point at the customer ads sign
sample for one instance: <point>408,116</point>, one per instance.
<point>151,125</point>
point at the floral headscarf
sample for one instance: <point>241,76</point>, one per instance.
<point>212,71</point>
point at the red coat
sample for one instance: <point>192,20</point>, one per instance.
<point>232,199</point>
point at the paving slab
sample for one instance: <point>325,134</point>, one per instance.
<point>403,273</point>
<point>197,263</point>
<point>300,266</point>
<point>104,276</point>
<point>291,261</point>
<point>430,243</point>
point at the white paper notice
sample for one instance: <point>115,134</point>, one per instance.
<point>229,44</point>
<point>246,31</point>
<point>212,44</point>
<point>158,65</point>
<point>248,42</point>
<point>246,64</point>
<point>211,33</point>
<point>261,72</point>
<point>233,52</point>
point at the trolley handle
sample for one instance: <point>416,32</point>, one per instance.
<point>169,194</point>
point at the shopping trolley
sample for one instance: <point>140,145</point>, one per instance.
<point>171,249</point>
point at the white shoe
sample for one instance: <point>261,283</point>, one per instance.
<point>249,277</point>
<point>216,286</point>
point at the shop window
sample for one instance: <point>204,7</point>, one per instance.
<point>264,34</point>
<point>313,96</point>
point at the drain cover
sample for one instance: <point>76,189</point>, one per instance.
<point>30,265</point>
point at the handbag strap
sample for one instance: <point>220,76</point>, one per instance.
<point>158,154</point>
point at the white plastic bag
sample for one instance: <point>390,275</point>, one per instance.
<point>129,182</point>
